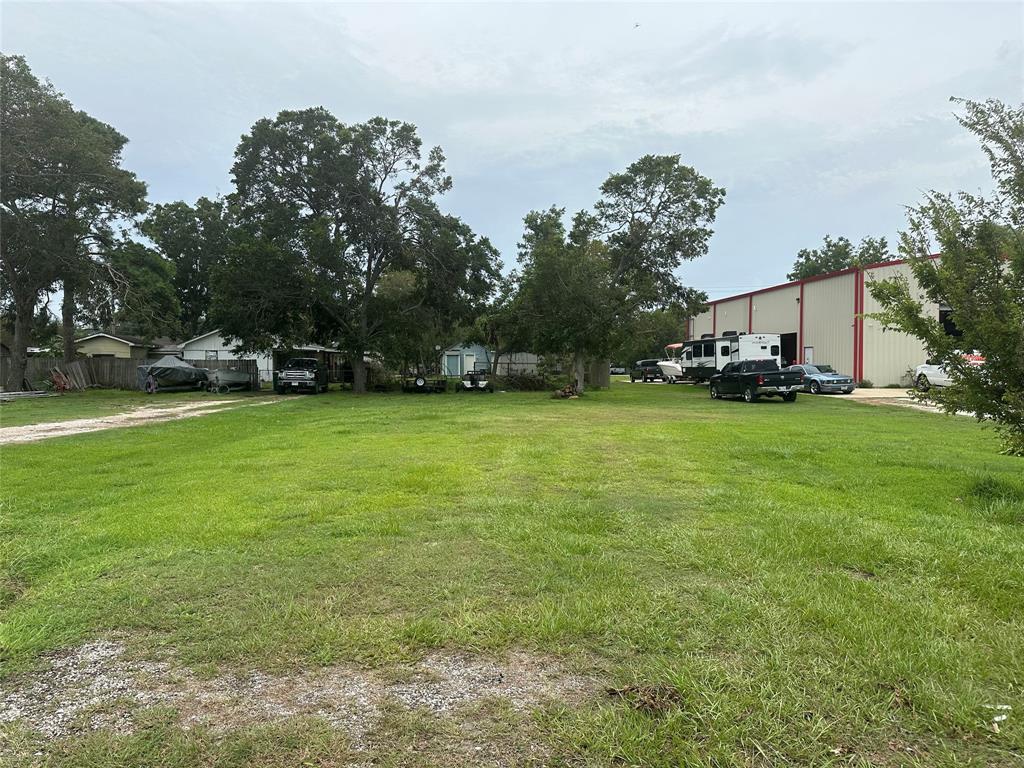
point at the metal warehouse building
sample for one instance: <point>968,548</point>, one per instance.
<point>823,320</point>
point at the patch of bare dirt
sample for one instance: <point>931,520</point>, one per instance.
<point>97,686</point>
<point>31,433</point>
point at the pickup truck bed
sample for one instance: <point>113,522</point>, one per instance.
<point>753,379</point>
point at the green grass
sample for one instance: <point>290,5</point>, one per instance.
<point>822,583</point>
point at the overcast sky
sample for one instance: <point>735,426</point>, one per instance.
<point>816,117</point>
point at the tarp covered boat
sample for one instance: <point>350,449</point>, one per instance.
<point>170,373</point>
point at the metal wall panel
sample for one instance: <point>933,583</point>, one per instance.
<point>888,355</point>
<point>828,321</point>
<point>701,324</point>
<point>777,311</point>
<point>732,316</point>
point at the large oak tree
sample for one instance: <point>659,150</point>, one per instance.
<point>64,195</point>
<point>586,289</point>
<point>340,240</point>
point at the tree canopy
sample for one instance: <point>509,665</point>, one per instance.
<point>838,254</point>
<point>136,297</point>
<point>979,276</point>
<point>193,239</point>
<point>64,196</point>
<point>348,244</point>
<point>584,291</point>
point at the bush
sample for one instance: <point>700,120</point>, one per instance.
<point>523,382</point>
<point>866,384</point>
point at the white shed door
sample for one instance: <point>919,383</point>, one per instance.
<point>470,362</point>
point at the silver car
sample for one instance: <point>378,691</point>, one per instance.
<point>823,378</point>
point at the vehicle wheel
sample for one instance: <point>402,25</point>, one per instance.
<point>923,385</point>
<point>815,388</point>
<point>714,392</point>
<point>789,397</point>
<point>750,395</point>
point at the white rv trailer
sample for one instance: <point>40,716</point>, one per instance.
<point>702,358</point>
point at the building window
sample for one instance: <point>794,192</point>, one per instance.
<point>211,354</point>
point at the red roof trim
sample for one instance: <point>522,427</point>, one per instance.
<point>816,278</point>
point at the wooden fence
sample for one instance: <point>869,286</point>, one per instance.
<point>106,372</point>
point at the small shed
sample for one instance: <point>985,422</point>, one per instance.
<point>458,360</point>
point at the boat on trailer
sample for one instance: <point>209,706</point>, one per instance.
<point>671,367</point>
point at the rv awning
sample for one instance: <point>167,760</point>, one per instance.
<point>677,345</point>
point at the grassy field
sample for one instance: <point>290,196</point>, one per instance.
<point>817,583</point>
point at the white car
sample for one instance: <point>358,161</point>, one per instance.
<point>931,374</point>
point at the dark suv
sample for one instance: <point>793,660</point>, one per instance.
<point>301,374</point>
<point>646,370</point>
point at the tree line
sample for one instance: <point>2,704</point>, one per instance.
<point>333,234</point>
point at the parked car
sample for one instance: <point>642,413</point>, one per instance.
<point>646,370</point>
<point>617,370</point>
<point>754,379</point>
<point>823,378</point>
<point>931,374</point>
<point>301,374</point>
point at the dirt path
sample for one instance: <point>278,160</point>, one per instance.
<point>30,433</point>
<point>98,686</point>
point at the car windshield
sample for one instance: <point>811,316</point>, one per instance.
<point>303,363</point>
<point>822,369</point>
<point>756,366</point>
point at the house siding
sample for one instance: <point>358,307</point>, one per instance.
<point>196,350</point>
<point>103,345</point>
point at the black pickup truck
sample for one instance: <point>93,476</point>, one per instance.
<point>301,374</point>
<point>646,370</point>
<point>756,378</point>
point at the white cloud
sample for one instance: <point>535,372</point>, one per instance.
<point>836,112</point>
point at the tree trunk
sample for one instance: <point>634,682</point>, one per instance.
<point>358,373</point>
<point>579,364</point>
<point>19,354</point>
<point>494,362</point>
<point>600,375</point>
<point>67,317</point>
